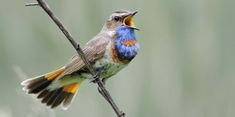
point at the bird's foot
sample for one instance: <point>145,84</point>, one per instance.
<point>96,78</point>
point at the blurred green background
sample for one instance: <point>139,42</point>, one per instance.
<point>185,68</point>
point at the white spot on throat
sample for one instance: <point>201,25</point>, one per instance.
<point>111,33</point>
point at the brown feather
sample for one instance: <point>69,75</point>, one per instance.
<point>93,50</point>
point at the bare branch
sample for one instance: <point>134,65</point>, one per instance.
<point>103,91</point>
<point>31,4</point>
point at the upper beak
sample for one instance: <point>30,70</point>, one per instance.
<point>133,13</point>
<point>128,20</point>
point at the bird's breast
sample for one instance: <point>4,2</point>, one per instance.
<point>109,65</point>
<point>126,49</point>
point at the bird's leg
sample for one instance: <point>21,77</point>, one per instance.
<point>96,78</point>
<point>100,90</point>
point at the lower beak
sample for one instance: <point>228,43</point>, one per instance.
<point>133,27</point>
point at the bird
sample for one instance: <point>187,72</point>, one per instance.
<point>111,50</point>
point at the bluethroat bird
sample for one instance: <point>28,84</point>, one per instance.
<point>109,51</point>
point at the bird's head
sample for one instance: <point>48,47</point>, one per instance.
<point>120,18</point>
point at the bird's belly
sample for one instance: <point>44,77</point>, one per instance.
<point>107,67</point>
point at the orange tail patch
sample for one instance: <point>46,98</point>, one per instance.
<point>72,88</point>
<point>54,74</point>
<point>53,98</point>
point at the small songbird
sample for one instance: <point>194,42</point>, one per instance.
<point>109,51</point>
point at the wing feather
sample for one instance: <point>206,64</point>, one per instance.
<point>93,50</point>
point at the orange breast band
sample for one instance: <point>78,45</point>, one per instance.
<point>129,42</point>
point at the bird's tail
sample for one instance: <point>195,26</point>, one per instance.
<point>51,97</point>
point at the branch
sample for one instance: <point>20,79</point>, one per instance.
<point>103,91</point>
<point>31,4</point>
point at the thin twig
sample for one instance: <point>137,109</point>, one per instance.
<point>102,88</point>
<point>31,4</point>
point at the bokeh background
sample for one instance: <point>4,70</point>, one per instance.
<point>186,66</point>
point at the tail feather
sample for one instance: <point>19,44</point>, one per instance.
<point>52,98</point>
<point>71,91</point>
<point>38,86</point>
<point>68,100</point>
<point>59,99</point>
<point>47,97</point>
<point>42,94</point>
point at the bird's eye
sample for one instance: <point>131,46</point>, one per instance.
<point>116,18</point>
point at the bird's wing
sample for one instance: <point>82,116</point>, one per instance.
<point>93,50</point>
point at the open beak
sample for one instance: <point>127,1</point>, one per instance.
<point>129,20</point>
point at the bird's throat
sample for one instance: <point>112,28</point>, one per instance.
<point>126,44</point>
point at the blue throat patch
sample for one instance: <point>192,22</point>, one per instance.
<point>126,45</point>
